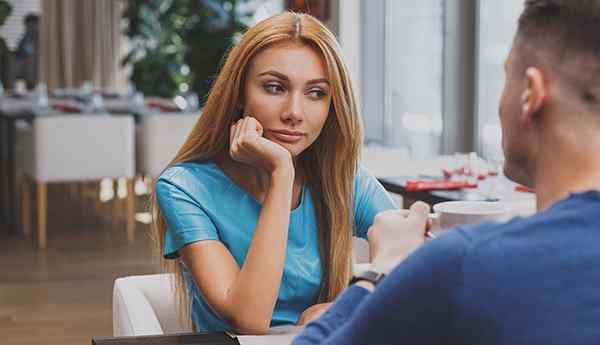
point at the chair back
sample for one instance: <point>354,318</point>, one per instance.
<point>65,148</point>
<point>145,305</point>
<point>159,137</point>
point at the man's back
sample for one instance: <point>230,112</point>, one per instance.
<point>531,281</point>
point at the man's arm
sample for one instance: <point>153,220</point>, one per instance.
<point>413,305</point>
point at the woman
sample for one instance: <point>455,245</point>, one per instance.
<point>261,202</point>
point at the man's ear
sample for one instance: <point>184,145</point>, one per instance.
<point>534,96</point>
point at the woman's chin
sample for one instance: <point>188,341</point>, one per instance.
<point>295,149</point>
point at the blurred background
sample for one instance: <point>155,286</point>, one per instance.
<point>97,95</point>
<point>409,58</point>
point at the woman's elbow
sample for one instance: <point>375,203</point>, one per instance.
<point>251,326</point>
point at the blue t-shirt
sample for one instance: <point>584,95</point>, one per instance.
<point>199,202</point>
<point>529,281</point>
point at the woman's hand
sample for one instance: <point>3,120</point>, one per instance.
<point>247,145</point>
<point>312,313</point>
<point>395,234</point>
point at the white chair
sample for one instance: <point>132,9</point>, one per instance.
<point>159,137</point>
<point>70,148</point>
<point>145,305</point>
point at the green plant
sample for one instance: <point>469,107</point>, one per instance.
<point>5,10</point>
<point>178,45</point>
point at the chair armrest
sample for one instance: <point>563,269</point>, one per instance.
<point>133,314</point>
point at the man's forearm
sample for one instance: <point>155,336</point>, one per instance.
<point>336,316</point>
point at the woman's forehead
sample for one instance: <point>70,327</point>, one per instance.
<point>296,61</point>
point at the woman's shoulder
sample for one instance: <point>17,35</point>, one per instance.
<point>363,177</point>
<point>188,175</point>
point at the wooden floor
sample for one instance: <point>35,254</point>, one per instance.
<point>63,295</point>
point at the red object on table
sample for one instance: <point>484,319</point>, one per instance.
<point>419,186</point>
<point>524,189</point>
<point>66,108</point>
<point>463,171</point>
<point>163,106</point>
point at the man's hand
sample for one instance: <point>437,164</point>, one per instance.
<point>395,234</point>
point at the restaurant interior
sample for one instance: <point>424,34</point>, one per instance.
<point>98,96</point>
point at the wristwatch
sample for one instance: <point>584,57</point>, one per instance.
<point>370,276</point>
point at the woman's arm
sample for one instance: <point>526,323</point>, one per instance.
<point>246,296</point>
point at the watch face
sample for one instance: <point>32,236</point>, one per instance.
<point>370,276</point>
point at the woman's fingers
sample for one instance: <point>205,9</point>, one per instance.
<point>233,142</point>
<point>238,127</point>
<point>244,126</point>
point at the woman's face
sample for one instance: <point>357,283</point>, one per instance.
<point>287,91</point>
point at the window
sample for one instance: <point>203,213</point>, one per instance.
<point>418,75</point>
<point>497,24</point>
<point>414,75</point>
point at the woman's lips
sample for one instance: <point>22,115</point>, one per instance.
<point>287,136</point>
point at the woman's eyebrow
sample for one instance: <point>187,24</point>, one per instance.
<point>286,78</point>
<point>318,81</point>
<point>275,74</point>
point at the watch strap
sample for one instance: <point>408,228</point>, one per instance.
<point>370,276</point>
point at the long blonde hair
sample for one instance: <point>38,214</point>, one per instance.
<point>329,164</point>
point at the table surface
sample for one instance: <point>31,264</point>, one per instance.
<point>171,339</point>
<point>494,188</point>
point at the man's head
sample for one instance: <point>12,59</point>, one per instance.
<point>552,87</point>
<point>31,21</point>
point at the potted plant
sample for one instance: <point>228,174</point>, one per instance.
<point>178,45</point>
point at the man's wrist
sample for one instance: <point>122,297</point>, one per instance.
<point>367,285</point>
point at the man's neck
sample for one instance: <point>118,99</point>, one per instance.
<point>564,170</point>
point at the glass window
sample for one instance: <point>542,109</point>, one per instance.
<point>497,24</point>
<point>414,75</point>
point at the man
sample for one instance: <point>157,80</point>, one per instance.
<point>529,281</point>
<point>27,53</point>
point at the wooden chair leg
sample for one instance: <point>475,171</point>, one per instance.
<point>150,184</point>
<point>42,214</point>
<point>130,210</point>
<point>115,202</point>
<point>26,205</point>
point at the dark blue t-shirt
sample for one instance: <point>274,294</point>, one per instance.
<point>529,281</point>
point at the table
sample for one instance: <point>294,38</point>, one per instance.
<point>8,188</point>
<point>396,185</point>
<point>494,188</point>
<point>21,108</point>
<point>171,339</point>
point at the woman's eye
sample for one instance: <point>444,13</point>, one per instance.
<point>316,94</point>
<point>273,88</point>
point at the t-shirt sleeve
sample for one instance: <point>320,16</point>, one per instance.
<point>186,220</point>
<point>415,304</point>
<point>370,199</point>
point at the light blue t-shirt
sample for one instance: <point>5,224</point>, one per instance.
<point>199,202</point>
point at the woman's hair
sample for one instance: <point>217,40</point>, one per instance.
<point>329,164</point>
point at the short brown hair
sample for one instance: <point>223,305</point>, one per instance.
<point>566,33</point>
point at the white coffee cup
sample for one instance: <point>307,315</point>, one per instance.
<point>452,213</point>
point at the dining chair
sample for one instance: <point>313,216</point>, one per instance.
<point>76,148</point>
<point>146,305</point>
<point>159,137</point>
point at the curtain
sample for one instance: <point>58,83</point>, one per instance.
<point>80,41</point>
